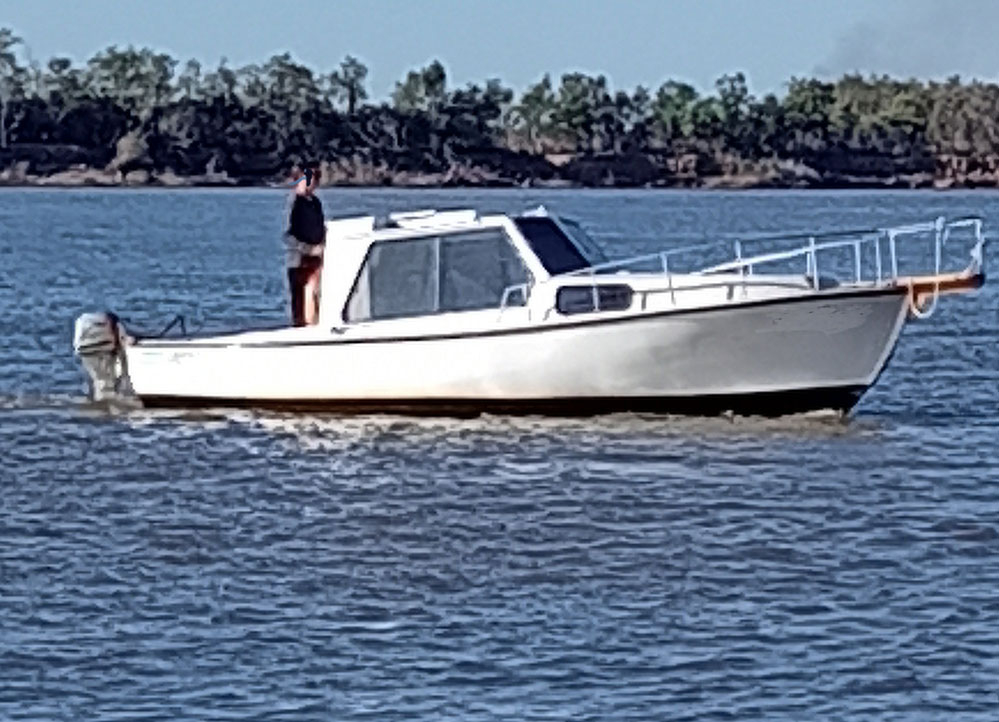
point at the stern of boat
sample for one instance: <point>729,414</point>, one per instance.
<point>99,341</point>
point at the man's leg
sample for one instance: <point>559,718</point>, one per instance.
<point>311,294</point>
<point>295,288</point>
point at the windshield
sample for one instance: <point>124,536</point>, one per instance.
<point>584,242</point>
<point>562,247</point>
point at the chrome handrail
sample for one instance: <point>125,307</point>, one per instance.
<point>856,240</point>
<point>810,250</point>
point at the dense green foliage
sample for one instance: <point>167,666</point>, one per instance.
<point>131,109</point>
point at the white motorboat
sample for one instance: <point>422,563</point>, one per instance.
<point>456,312</point>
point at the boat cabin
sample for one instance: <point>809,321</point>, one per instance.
<point>431,263</point>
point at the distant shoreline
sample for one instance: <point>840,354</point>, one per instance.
<point>94,179</point>
<point>133,118</point>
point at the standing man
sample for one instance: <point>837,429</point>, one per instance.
<point>305,241</point>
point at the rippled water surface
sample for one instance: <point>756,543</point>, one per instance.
<point>241,565</point>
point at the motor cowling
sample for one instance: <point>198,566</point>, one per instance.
<point>99,341</point>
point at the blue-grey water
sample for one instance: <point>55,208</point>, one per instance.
<point>248,566</point>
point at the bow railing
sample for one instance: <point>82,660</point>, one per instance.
<point>875,260</point>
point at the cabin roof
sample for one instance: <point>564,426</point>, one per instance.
<point>409,224</point>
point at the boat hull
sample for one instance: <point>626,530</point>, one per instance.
<point>768,357</point>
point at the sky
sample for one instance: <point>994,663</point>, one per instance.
<point>632,42</point>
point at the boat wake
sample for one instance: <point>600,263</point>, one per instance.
<point>27,401</point>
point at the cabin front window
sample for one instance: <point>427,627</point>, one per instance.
<point>558,252</point>
<point>437,274</point>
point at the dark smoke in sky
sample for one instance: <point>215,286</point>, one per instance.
<point>923,39</point>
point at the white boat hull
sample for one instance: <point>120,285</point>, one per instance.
<point>771,357</point>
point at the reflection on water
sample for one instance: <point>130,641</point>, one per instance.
<point>243,564</point>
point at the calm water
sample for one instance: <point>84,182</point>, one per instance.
<point>244,566</point>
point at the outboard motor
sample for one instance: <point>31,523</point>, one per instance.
<point>98,340</point>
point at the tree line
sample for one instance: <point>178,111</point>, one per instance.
<point>134,110</point>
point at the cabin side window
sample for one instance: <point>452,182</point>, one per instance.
<point>586,299</point>
<point>436,274</point>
